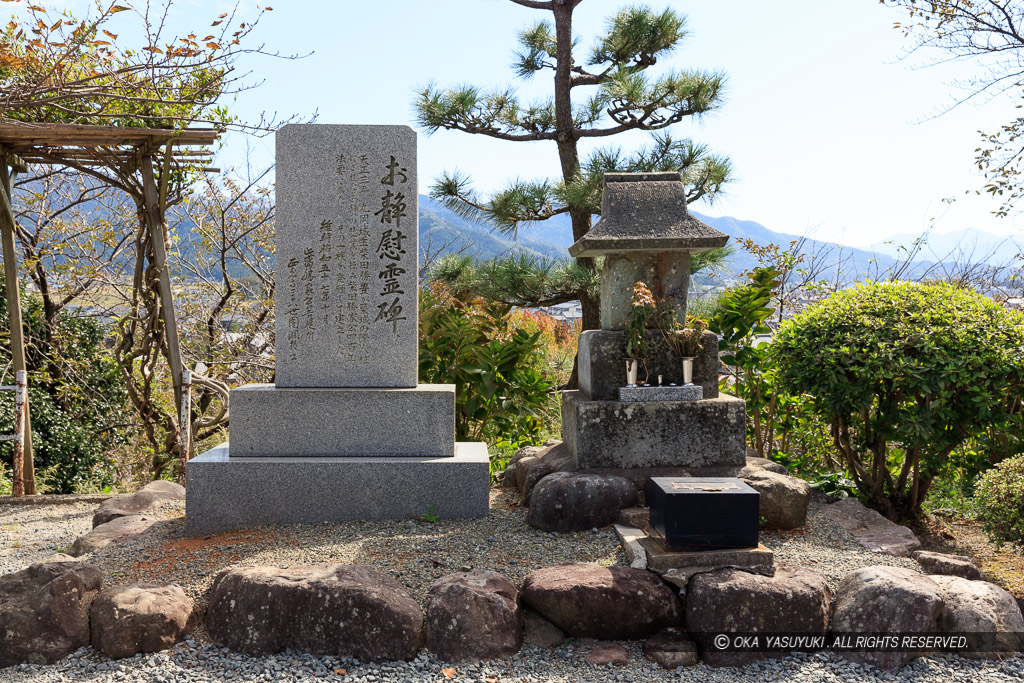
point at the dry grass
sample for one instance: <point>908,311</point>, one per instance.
<point>1004,566</point>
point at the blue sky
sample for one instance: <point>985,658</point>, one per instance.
<point>829,131</point>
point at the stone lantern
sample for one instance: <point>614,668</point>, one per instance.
<point>645,234</point>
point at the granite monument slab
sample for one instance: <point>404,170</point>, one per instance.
<point>347,255</point>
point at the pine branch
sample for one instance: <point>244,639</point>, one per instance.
<point>496,114</point>
<point>516,280</point>
<point>505,210</point>
<point>636,37</point>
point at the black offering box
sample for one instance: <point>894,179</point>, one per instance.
<point>701,513</point>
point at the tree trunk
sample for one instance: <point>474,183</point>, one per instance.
<point>568,154</point>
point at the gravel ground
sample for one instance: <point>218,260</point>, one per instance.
<point>29,533</point>
<point>416,553</point>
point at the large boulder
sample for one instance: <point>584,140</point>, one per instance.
<point>873,531</point>
<point>118,530</point>
<point>139,617</point>
<point>473,616</point>
<point>540,632</point>
<point>608,603</point>
<point>148,498</point>
<point>508,476</point>
<point>793,601</point>
<point>886,600</point>
<point>574,501</point>
<point>950,565</point>
<point>44,611</point>
<point>671,649</point>
<point>529,472</point>
<point>754,461</point>
<point>981,607</point>
<point>783,500</point>
<point>326,609</point>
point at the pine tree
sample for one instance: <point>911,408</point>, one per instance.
<point>622,97</point>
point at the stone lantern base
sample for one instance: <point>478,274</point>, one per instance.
<point>603,432</point>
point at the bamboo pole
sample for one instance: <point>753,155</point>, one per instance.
<point>185,424</point>
<point>14,309</point>
<point>20,418</point>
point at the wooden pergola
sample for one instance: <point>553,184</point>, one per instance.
<point>131,152</point>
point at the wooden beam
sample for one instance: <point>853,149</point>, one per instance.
<point>158,229</point>
<point>14,307</point>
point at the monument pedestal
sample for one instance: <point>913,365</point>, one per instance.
<point>627,434</point>
<point>273,421</point>
<point>227,492</point>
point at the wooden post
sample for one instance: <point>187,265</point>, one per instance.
<point>185,424</point>
<point>14,309</point>
<point>20,419</point>
<point>158,228</point>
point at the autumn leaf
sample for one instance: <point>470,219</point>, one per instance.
<point>118,8</point>
<point>153,48</point>
<point>36,8</point>
<point>449,673</point>
<point>217,22</point>
<point>213,46</point>
<point>340,672</point>
<point>112,35</point>
<point>222,15</point>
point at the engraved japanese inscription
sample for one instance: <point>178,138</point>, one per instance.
<point>347,251</point>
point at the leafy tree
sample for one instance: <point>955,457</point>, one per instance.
<point>103,70</point>
<point>622,97</point>
<point>991,34</point>
<point>904,373</point>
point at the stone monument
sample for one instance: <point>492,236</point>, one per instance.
<point>646,234</point>
<point>345,432</point>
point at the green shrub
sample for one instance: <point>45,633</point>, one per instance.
<point>739,317</point>
<point>903,373</point>
<point>999,501</point>
<point>77,403</point>
<point>501,391</point>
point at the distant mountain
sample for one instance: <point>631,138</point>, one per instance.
<point>832,261</point>
<point>971,245</point>
<point>551,239</point>
<point>442,227</point>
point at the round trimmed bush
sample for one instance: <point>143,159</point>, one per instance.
<point>904,373</point>
<point>999,501</point>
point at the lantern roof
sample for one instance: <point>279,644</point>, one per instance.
<point>646,212</point>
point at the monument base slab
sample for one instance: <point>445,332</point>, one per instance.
<point>327,422</point>
<point>690,434</point>
<point>226,492</point>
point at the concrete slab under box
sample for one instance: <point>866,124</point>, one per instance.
<point>273,421</point>
<point>227,492</point>
<point>691,434</point>
<point>679,567</point>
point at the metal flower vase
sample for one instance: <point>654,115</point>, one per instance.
<point>688,369</point>
<point>632,371</point>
